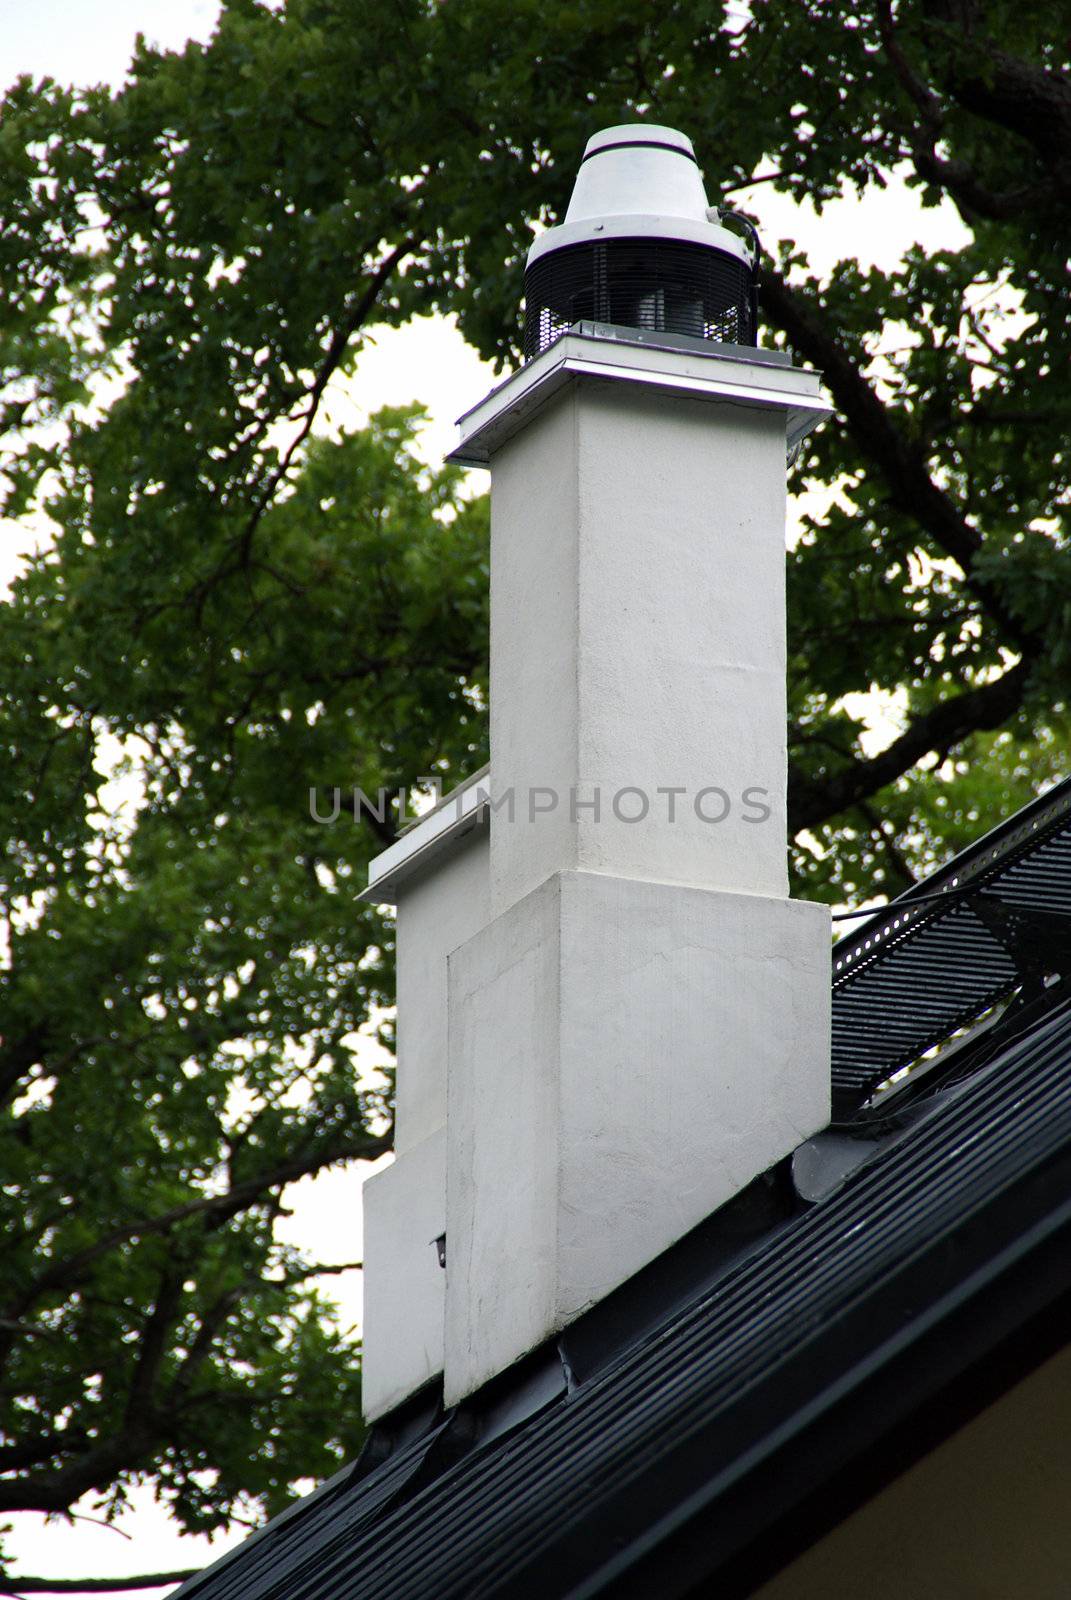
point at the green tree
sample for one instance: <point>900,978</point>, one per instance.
<point>247,605</point>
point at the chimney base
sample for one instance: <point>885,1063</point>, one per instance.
<point>624,1056</point>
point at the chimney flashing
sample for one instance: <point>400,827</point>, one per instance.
<point>672,365</point>
<point>664,339</point>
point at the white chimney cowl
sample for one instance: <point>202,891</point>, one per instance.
<point>639,180</point>
<point>641,247</point>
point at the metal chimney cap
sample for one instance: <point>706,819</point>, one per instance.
<point>641,247</point>
<point>640,180</point>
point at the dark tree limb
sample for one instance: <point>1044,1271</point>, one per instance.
<point>813,801</point>
<point>215,1209</point>
<point>152,1351</point>
<point>1026,99</point>
<point>333,357</point>
<point>152,1580</point>
<point>901,463</point>
<point>95,1470</point>
<point>926,101</point>
<point>973,197</point>
<point>351,323</point>
<point>17,1457</point>
<point>884,831</point>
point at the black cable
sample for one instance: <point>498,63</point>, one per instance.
<point>916,899</point>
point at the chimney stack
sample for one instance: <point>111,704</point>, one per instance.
<point>633,1016</point>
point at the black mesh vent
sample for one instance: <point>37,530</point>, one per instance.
<point>658,284</point>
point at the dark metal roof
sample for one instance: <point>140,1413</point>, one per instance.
<point>994,920</point>
<point>660,1439</point>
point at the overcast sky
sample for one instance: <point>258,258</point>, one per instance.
<point>90,41</point>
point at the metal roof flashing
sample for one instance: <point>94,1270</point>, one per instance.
<point>663,362</point>
<point>990,925</point>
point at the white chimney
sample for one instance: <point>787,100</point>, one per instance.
<point>634,1016</point>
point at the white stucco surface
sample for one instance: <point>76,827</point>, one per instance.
<point>625,1055</point>
<point>637,641</point>
<point>604,993</point>
<point>404,1285</point>
<point>436,912</point>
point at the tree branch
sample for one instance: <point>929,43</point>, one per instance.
<point>970,194</point>
<point>884,831</point>
<point>1024,98</point>
<point>152,1351</point>
<point>900,462</point>
<point>926,100</point>
<point>211,1323</point>
<point>216,1209</point>
<point>334,354</point>
<point>45,1447</point>
<point>96,1470</point>
<point>28,1330</point>
<point>813,801</point>
<point>153,1580</point>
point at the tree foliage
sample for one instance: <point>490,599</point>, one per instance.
<point>241,604</point>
